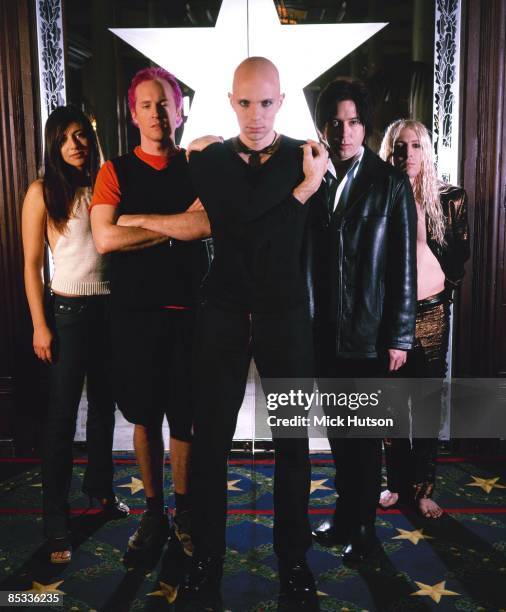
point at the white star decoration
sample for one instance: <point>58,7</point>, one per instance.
<point>205,58</point>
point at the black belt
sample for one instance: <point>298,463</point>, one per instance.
<point>433,300</point>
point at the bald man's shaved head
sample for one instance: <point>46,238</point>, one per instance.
<point>256,67</point>
<point>256,99</point>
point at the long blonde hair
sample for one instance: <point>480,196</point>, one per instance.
<point>426,185</point>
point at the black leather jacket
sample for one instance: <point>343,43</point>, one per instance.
<point>362,264</point>
<point>455,251</point>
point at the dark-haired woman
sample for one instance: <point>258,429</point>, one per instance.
<point>72,335</point>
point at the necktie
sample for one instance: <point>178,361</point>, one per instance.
<point>331,182</point>
<point>345,193</point>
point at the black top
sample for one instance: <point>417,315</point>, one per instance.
<point>257,226</point>
<point>166,274</point>
<point>455,251</point>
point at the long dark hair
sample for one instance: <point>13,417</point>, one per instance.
<point>344,88</point>
<point>60,179</point>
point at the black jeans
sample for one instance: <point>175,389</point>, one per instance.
<point>80,349</point>
<point>281,344</point>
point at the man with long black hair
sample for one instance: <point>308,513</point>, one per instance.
<point>364,285</point>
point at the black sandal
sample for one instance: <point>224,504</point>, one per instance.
<point>57,546</point>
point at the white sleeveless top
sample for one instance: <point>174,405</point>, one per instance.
<point>78,268</point>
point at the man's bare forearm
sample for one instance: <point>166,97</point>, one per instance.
<point>183,226</point>
<point>117,238</point>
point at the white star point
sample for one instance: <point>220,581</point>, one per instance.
<point>301,53</point>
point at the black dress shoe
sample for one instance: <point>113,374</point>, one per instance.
<point>296,585</point>
<point>362,543</point>
<point>202,588</point>
<point>330,533</point>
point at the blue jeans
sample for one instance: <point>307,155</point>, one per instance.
<point>80,348</point>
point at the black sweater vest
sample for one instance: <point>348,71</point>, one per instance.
<point>167,274</point>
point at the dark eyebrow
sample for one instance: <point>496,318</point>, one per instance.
<point>350,119</point>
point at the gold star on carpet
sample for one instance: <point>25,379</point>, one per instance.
<point>317,485</point>
<point>38,587</point>
<point>231,485</point>
<point>166,590</point>
<point>487,484</point>
<point>413,536</point>
<point>135,485</point>
<point>435,592</point>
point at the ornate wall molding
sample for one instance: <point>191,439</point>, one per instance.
<point>446,88</point>
<point>51,55</point>
<point>446,119</point>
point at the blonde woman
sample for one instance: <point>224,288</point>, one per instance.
<point>71,334</point>
<point>442,250</point>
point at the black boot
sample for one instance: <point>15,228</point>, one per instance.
<point>202,589</point>
<point>362,543</point>
<point>297,586</point>
<point>332,531</point>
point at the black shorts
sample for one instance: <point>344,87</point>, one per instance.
<point>152,361</point>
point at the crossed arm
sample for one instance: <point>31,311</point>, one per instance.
<point>133,232</point>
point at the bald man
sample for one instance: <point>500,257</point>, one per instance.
<point>255,188</point>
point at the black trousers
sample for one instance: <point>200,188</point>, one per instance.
<point>357,460</point>
<point>80,349</point>
<point>411,464</point>
<point>282,347</point>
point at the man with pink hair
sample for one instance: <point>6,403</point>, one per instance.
<point>145,213</point>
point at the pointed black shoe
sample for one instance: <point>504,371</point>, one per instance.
<point>202,588</point>
<point>297,586</point>
<point>362,544</point>
<point>330,533</point>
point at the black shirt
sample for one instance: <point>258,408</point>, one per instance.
<point>257,225</point>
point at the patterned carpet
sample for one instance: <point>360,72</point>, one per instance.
<point>456,563</point>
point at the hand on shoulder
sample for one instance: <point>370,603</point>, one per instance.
<point>315,162</point>
<point>199,144</point>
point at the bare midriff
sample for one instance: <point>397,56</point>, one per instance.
<point>431,278</point>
